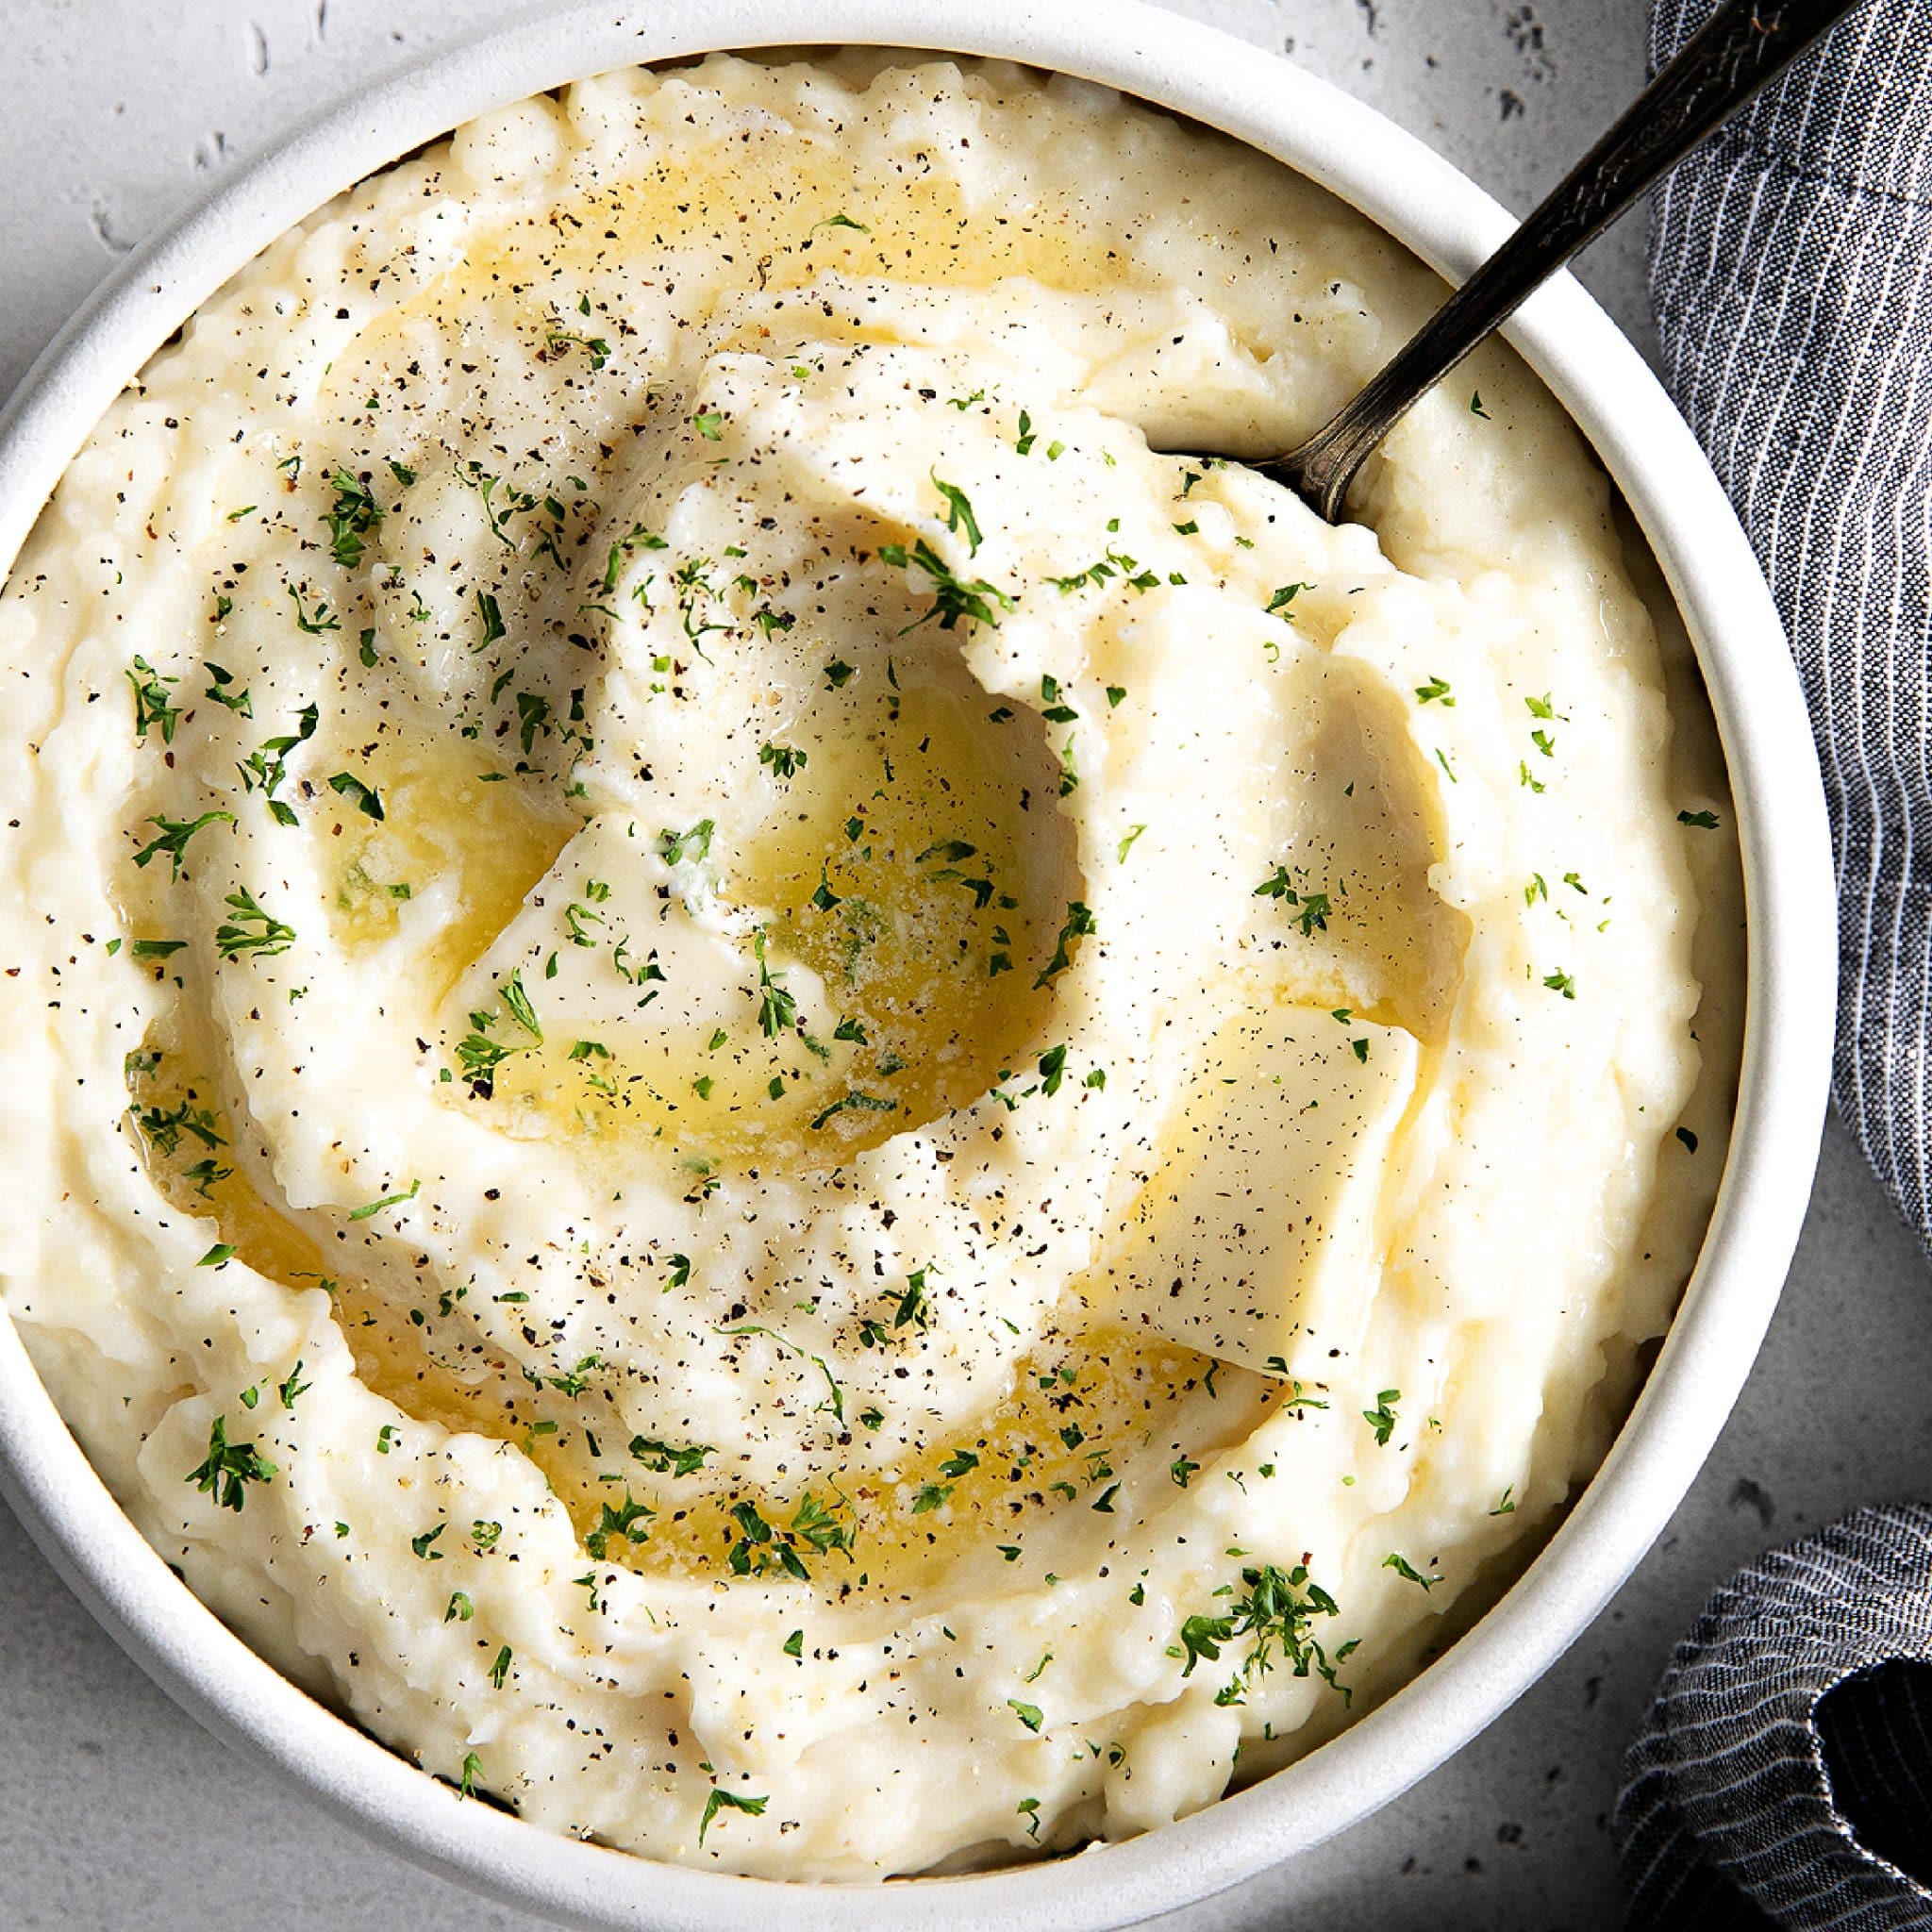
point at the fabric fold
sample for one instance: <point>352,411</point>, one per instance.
<point>1730,1797</point>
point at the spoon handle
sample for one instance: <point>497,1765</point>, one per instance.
<point>1744,44</point>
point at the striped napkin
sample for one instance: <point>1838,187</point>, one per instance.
<point>1784,1777</point>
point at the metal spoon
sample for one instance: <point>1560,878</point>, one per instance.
<point>1744,44</point>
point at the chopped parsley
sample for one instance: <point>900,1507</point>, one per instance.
<point>777,1010</point>
<point>265,769</point>
<point>1079,924</point>
<point>696,845</point>
<point>559,341</point>
<point>911,1308</point>
<point>720,1799</point>
<point>1405,1569</point>
<point>363,797</point>
<point>370,1208</point>
<point>1056,712</point>
<point>229,1468</point>
<point>490,611</point>
<point>152,709</point>
<point>1202,1639</point>
<point>252,929</point>
<point>959,517</point>
<point>666,1458</point>
<point>1313,908</point>
<point>220,690</point>
<point>854,1103</point>
<point>351,518</point>
<point>174,838</point>
<point>1276,1612</point>
<point>1113,563</point>
<point>630,1521</point>
<point>479,1056</point>
<point>782,760</point>
<point>763,1547</point>
<point>1382,1417</point>
<point>322,621</point>
<point>952,598</point>
<point>533,715</point>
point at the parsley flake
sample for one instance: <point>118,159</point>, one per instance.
<point>229,1468</point>
<point>174,835</point>
<point>720,1799</point>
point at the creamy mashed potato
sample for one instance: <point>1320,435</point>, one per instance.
<point>796,1110</point>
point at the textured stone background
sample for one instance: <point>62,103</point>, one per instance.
<point>117,1812</point>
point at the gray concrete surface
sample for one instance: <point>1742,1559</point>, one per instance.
<point>117,1812</point>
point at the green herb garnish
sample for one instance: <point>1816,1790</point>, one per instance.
<point>229,1468</point>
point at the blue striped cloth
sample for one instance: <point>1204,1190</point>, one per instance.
<point>1784,1777</point>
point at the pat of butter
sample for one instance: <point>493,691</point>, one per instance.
<point>609,945</point>
<point>598,940</point>
<point>1256,1241</point>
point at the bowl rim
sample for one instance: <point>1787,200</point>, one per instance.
<point>1427,204</point>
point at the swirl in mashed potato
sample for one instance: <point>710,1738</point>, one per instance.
<point>787,1104</point>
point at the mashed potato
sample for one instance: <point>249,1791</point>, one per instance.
<point>793,1109</point>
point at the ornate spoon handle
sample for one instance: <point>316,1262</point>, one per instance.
<point>1744,44</point>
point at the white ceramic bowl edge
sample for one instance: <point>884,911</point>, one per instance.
<point>1708,562</point>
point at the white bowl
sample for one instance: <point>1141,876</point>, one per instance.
<point>1578,352</point>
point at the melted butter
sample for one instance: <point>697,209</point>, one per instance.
<point>393,1353</point>
<point>490,839</point>
<point>785,240</point>
<point>935,835</point>
<point>1056,1443</point>
<point>784,193</point>
<point>916,865</point>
